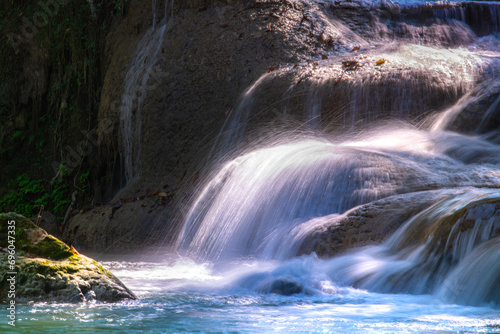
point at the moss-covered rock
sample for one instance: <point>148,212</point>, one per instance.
<point>49,270</point>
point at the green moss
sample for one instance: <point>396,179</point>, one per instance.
<point>51,248</point>
<point>102,270</point>
<point>47,247</point>
<point>46,266</point>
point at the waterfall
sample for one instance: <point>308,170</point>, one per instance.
<point>331,97</point>
<point>143,76</point>
<point>255,200</point>
<point>476,279</point>
<point>311,145</point>
<point>437,251</point>
<point>484,18</point>
<point>282,185</point>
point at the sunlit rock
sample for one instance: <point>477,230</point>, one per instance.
<point>46,269</point>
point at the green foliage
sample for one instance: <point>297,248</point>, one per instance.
<point>18,135</point>
<point>118,6</point>
<point>84,181</point>
<point>59,197</point>
<point>24,197</point>
<point>28,195</point>
<point>63,170</point>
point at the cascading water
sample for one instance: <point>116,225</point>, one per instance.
<point>421,254</point>
<point>265,202</point>
<point>483,18</point>
<point>141,78</point>
<point>348,93</point>
<point>292,182</point>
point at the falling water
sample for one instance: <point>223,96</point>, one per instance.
<point>143,76</point>
<point>264,201</point>
<point>414,80</point>
<point>421,254</point>
<point>295,180</point>
<point>484,18</point>
<point>481,103</point>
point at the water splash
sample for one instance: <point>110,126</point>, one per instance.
<point>255,198</point>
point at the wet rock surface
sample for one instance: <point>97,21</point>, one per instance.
<point>121,226</point>
<point>285,288</point>
<point>471,117</point>
<point>49,270</point>
<point>368,224</point>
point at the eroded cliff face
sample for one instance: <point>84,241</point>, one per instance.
<point>51,81</point>
<point>177,72</point>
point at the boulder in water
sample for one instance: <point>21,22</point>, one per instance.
<point>481,113</point>
<point>285,287</point>
<point>46,269</point>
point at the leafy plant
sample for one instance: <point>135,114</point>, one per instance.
<point>59,197</point>
<point>28,195</point>
<point>19,135</point>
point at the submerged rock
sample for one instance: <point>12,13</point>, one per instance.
<point>285,287</point>
<point>46,269</point>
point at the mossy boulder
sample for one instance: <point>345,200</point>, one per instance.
<point>49,270</point>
